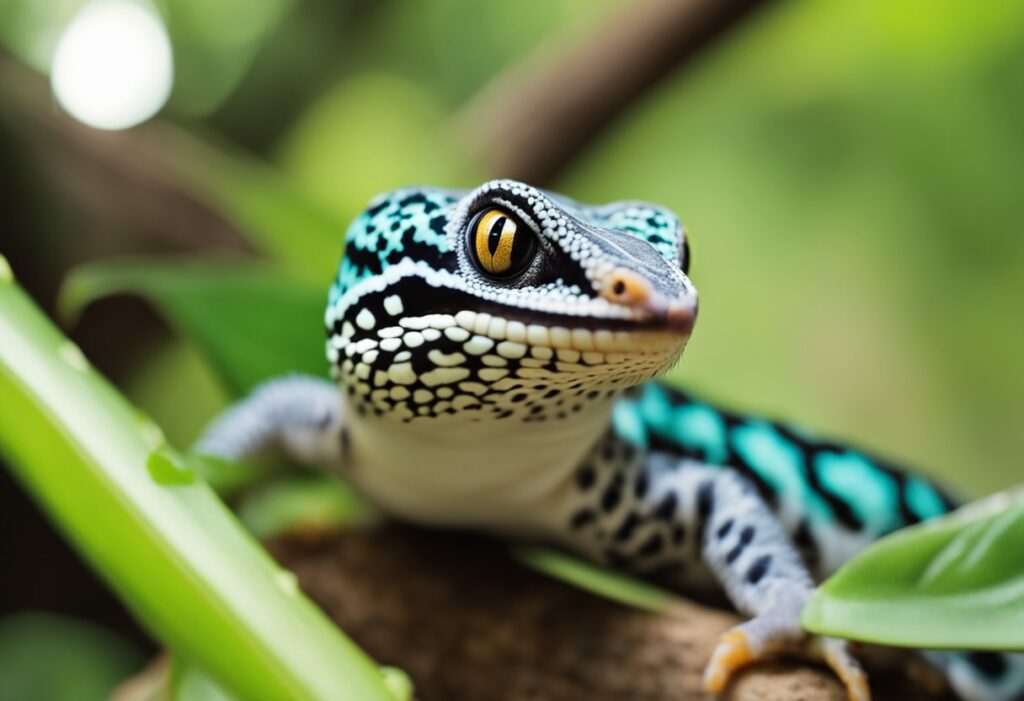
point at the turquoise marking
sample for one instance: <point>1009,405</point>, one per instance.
<point>871,493</point>
<point>627,423</point>
<point>700,427</point>
<point>779,463</point>
<point>656,410</point>
<point>923,500</point>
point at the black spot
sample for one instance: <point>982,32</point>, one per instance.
<point>991,664</point>
<point>641,485</point>
<point>758,570</point>
<point>619,287</point>
<point>437,225</point>
<point>551,393</point>
<point>802,537</point>
<point>705,499</point>
<point>651,546</point>
<point>519,397</point>
<point>625,531</point>
<point>608,451</point>
<point>667,507</point>
<point>678,534</point>
<point>724,529</point>
<point>581,518</point>
<point>705,505</point>
<point>746,535</point>
<point>586,477</point>
<point>612,494</point>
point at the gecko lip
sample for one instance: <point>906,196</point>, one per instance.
<point>681,318</point>
<point>677,318</point>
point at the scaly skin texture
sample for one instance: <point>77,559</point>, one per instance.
<point>498,353</point>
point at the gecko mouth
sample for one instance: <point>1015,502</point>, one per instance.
<point>418,306</point>
<point>675,319</point>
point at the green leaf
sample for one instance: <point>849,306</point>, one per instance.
<point>597,580</point>
<point>160,538</point>
<point>308,502</point>
<point>953,582</point>
<point>45,656</point>
<point>252,321</point>
<point>270,211</point>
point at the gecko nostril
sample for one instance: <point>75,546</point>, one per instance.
<point>624,286</point>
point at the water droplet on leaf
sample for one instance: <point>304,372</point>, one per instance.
<point>167,467</point>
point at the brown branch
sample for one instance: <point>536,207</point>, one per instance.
<point>530,121</point>
<point>467,622</point>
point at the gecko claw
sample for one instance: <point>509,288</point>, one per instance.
<point>736,650</point>
<point>732,653</point>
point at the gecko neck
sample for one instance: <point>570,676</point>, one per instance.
<point>501,475</point>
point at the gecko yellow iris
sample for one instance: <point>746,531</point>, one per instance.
<point>500,260</point>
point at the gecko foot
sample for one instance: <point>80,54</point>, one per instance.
<point>740,647</point>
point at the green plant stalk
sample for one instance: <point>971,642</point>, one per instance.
<point>597,580</point>
<point>155,531</point>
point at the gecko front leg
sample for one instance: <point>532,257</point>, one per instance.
<point>652,512</point>
<point>300,416</point>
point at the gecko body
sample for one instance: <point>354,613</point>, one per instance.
<point>498,354</point>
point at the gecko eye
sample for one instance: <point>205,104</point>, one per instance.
<point>499,244</point>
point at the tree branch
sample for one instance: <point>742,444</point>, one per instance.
<point>532,120</point>
<point>467,622</point>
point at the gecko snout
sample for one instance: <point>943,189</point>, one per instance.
<point>631,289</point>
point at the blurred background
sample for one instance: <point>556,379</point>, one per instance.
<point>851,174</point>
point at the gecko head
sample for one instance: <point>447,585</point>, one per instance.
<point>505,302</point>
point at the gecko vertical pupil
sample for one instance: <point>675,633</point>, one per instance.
<point>499,244</point>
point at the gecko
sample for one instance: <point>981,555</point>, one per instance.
<point>496,357</point>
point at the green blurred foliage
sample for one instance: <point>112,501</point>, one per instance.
<point>44,656</point>
<point>237,312</point>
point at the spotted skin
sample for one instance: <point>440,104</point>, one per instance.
<point>528,405</point>
<point>832,499</point>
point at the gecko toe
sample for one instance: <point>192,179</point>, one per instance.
<point>732,653</point>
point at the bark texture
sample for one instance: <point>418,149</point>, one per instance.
<point>469,623</point>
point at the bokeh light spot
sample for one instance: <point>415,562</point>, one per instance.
<point>112,67</point>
